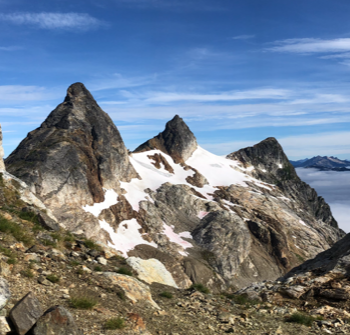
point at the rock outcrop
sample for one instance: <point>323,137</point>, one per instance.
<point>71,158</point>
<point>266,161</point>
<point>2,164</point>
<point>176,140</point>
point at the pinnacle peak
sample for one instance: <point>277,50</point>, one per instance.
<point>77,90</point>
<point>177,140</point>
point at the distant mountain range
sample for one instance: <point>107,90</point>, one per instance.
<point>325,163</point>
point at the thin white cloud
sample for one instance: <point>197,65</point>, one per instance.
<point>55,21</point>
<point>25,93</point>
<point>263,93</point>
<point>311,45</point>
<point>10,48</point>
<point>243,37</point>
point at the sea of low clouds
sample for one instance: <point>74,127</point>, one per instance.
<point>334,187</point>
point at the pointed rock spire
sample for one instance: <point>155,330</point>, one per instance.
<point>177,140</point>
<point>2,164</point>
<point>75,154</point>
<point>268,159</point>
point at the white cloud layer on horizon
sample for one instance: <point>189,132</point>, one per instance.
<point>334,187</point>
<point>47,20</point>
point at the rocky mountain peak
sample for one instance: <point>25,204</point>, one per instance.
<point>77,90</point>
<point>2,164</point>
<point>268,159</point>
<point>177,140</point>
<point>75,154</point>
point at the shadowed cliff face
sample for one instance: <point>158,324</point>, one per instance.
<point>72,156</point>
<point>177,140</point>
<point>272,166</point>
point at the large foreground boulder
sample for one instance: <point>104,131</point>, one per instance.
<point>56,321</point>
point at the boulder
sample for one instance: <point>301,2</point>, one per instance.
<point>133,289</point>
<point>56,321</point>
<point>151,270</point>
<point>26,313</point>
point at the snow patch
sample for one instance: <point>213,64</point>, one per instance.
<point>127,236</point>
<point>202,214</point>
<point>111,198</point>
<point>280,166</point>
<point>303,223</point>
<point>297,246</point>
<point>177,238</point>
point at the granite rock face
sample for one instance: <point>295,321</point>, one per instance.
<point>270,164</point>
<point>2,153</point>
<point>176,140</point>
<point>72,157</point>
<point>324,277</point>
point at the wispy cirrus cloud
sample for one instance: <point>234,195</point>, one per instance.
<point>167,97</point>
<point>54,21</point>
<point>311,45</point>
<point>10,48</point>
<point>25,93</point>
<point>243,37</point>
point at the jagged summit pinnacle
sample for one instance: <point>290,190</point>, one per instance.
<point>78,90</point>
<point>177,140</point>
<point>268,158</point>
<point>72,157</point>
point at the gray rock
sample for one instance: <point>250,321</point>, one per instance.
<point>272,166</point>
<point>56,321</point>
<point>26,313</point>
<point>5,293</point>
<point>177,140</point>
<point>76,150</point>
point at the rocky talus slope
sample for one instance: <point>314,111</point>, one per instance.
<point>178,214</point>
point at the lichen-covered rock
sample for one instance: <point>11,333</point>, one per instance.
<point>5,293</point>
<point>25,313</point>
<point>56,321</point>
<point>151,271</point>
<point>133,288</point>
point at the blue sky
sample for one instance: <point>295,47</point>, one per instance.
<point>236,71</point>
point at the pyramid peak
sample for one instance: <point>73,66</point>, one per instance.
<point>78,90</point>
<point>177,141</point>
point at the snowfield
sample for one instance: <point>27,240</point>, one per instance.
<point>219,171</point>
